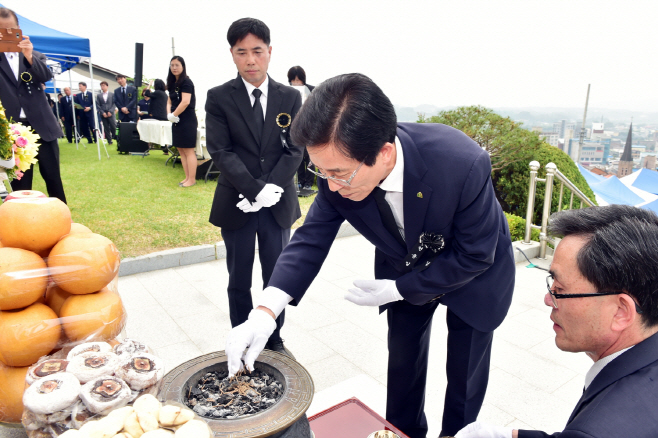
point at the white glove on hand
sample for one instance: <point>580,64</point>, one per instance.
<point>373,292</point>
<point>270,195</point>
<point>479,429</point>
<point>252,333</point>
<point>172,118</point>
<point>247,206</point>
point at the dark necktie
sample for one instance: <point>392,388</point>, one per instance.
<point>387,215</point>
<point>123,94</point>
<point>258,113</point>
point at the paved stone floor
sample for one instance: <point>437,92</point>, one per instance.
<point>183,312</point>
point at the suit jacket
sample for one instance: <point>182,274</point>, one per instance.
<point>65,109</point>
<point>105,106</point>
<point>248,163</point>
<point>86,102</point>
<point>448,191</point>
<point>130,101</point>
<point>17,94</point>
<point>621,401</point>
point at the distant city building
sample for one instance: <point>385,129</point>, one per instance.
<point>637,150</point>
<point>550,138</point>
<point>648,160</point>
<point>593,152</point>
<point>597,132</point>
<point>559,128</point>
<point>625,166</point>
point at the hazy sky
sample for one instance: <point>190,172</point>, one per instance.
<point>494,53</point>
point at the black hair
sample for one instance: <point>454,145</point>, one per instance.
<point>8,13</point>
<point>171,79</point>
<point>159,85</point>
<point>296,72</point>
<point>82,83</point>
<point>241,28</point>
<point>621,252</point>
<point>105,83</point>
<point>350,112</point>
<point>119,76</point>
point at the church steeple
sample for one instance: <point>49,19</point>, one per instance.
<point>626,161</point>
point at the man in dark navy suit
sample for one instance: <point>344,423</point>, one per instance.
<point>422,194</point>
<point>24,100</point>
<point>602,291</point>
<point>66,113</point>
<point>247,124</point>
<point>86,114</point>
<point>125,99</point>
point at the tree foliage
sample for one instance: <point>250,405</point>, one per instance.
<point>511,149</point>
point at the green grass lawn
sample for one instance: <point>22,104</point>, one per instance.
<point>135,201</point>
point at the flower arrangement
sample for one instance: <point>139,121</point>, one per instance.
<point>18,147</point>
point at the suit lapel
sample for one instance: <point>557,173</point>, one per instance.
<point>6,68</point>
<point>242,101</point>
<point>416,194</point>
<point>274,100</point>
<point>641,355</point>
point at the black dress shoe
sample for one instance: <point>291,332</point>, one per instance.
<point>279,348</point>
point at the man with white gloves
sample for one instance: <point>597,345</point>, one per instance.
<point>422,194</point>
<point>247,124</point>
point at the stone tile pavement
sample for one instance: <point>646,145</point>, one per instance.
<point>182,312</point>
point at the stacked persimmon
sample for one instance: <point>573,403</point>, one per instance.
<point>54,278</point>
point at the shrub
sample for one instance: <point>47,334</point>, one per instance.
<point>517,228</point>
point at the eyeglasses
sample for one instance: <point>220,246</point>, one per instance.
<point>342,182</point>
<point>555,297</point>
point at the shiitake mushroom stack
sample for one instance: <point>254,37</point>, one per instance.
<point>38,243</point>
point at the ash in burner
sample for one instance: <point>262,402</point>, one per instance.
<point>216,396</point>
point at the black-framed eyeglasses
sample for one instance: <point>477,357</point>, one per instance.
<point>555,297</point>
<point>342,182</point>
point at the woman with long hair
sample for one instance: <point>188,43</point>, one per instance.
<point>180,111</point>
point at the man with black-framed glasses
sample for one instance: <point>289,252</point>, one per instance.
<point>603,292</point>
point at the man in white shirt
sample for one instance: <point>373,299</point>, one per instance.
<point>603,292</point>
<point>24,100</point>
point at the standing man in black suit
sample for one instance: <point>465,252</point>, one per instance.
<point>87,124</point>
<point>21,74</point>
<point>247,121</point>
<point>125,98</point>
<point>66,113</point>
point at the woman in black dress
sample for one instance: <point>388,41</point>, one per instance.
<point>143,106</point>
<point>158,107</point>
<point>180,111</point>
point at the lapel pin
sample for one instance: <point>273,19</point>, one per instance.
<point>419,194</point>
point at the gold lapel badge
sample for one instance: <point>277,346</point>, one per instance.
<point>26,76</point>
<point>419,194</point>
<point>283,120</point>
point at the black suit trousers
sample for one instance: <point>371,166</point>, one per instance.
<point>240,253</point>
<point>467,369</point>
<point>87,125</point>
<point>48,157</point>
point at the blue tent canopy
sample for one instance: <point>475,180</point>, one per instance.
<point>590,177</point>
<point>58,46</point>
<point>653,206</point>
<point>50,88</point>
<point>614,191</point>
<point>646,180</point>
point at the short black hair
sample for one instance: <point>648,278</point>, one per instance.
<point>119,76</point>
<point>159,84</point>
<point>104,82</point>
<point>297,72</point>
<point>8,13</point>
<point>82,83</point>
<point>171,79</point>
<point>349,111</point>
<point>620,253</point>
<point>244,26</point>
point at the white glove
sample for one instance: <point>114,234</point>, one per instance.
<point>270,195</point>
<point>479,429</point>
<point>373,292</point>
<point>252,333</point>
<point>247,206</point>
<point>172,118</point>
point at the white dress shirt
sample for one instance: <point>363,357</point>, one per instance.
<point>393,185</point>
<point>263,97</point>
<point>104,96</point>
<point>14,59</point>
<point>600,364</point>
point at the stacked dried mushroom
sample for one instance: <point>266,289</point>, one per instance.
<point>92,380</point>
<point>54,289</point>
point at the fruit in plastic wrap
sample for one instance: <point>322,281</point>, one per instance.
<point>12,385</point>
<point>83,263</point>
<point>35,224</point>
<point>23,278</point>
<point>27,334</point>
<point>97,316</point>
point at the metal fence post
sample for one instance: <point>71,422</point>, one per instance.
<point>551,168</point>
<point>534,167</point>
